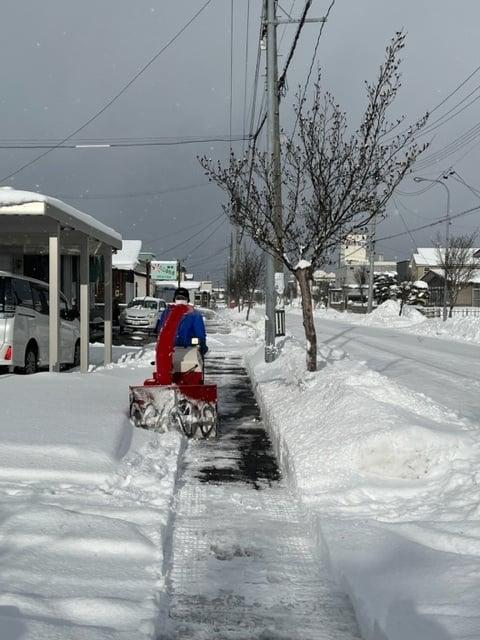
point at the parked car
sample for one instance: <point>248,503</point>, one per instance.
<point>141,314</point>
<point>24,325</point>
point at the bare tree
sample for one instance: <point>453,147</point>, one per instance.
<point>458,264</point>
<point>333,181</point>
<point>252,268</point>
<point>361,278</point>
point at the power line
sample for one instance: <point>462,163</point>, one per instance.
<point>115,97</point>
<point>195,235</point>
<point>218,254</point>
<point>204,240</point>
<point>442,102</point>
<point>113,145</point>
<point>139,194</point>
<point>312,62</point>
<point>282,78</point>
<point>432,224</point>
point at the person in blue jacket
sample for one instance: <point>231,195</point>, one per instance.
<point>191,325</point>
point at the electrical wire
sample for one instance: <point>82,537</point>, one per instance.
<point>139,194</point>
<point>204,240</point>
<point>195,235</point>
<point>442,102</point>
<point>432,224</point>
<point>114,145</point>
<point>202,261</point>
<point>283,76</point>
<point>312,62</point>
<point>114,98</point>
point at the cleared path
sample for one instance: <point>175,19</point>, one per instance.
<point>244,565</point>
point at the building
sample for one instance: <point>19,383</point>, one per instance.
<point>45,238</point>
<point>353,249</point>
<point>425,265</point>
<point>131,272</point>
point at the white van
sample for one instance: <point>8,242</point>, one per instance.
<point>24,330</point>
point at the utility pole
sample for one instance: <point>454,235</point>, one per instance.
<point>446,259</point>
<point>273,151</point>
<point>274,276</point>
<point>373,233</point>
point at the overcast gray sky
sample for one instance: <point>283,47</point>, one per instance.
<point>64,60</point>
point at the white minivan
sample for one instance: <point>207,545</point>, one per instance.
<point>24,326</point>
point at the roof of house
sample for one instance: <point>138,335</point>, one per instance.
<point>320,273</point>
<point>429,256</point>
<point>17,202</point>
<point>437,271</point>
<point>128,256</point>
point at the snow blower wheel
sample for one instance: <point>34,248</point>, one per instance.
<point>209,421</point>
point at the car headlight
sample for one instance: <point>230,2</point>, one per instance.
<point>151,315</point>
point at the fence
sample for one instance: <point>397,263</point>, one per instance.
<point>463,312</point>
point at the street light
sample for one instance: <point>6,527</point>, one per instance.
<point>447,239</point>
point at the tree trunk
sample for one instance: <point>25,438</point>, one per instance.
<point>308,323</point>
<point>401,307</point>
<point>249,307</point>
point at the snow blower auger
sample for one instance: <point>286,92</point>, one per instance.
<point>176,396</point>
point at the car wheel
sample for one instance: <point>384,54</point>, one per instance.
<point>76,354</point>
<point>31,360</point>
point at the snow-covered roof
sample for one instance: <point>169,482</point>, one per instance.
<point>320,273</point>
<point>16,202</point>
<point>429,256</point>
<point>128,256</point>
<point>474,279</point>
<point>186,284</point>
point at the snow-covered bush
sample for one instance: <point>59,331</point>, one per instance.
<point>415,293</point>
<point>384,287</point>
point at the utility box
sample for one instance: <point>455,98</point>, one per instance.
<point>279,323</point>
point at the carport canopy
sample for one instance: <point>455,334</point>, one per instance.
<point>33,223</point>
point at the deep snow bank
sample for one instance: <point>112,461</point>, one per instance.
<point>465,329</point>
<point>391,478</point>
<point>84,507</point>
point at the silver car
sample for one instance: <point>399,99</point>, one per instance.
<point>141,314</point>
<point>24,325</point>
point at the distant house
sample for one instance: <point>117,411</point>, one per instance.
<point>469,296</point>
<point>425,265</point>
<point>131,272</point>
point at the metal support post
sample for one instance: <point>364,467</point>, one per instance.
<point>371,261</point>
<point>54,250</point>
<point>84,304</point>
<point>447,241</point>
<point>107,301</point>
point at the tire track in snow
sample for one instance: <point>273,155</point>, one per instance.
<point>244,565</point>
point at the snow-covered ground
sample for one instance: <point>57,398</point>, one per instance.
<point>460,328</point>
<point>84,506</point>
<point>380,448</point>
<point>382,445</point>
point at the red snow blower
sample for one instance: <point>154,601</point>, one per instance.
<point>176,396</point>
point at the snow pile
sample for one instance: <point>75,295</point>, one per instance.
<point>387,314</point>
<point>385,450</point>
<point>84,507</point>
<point>390,479</point>
<point>466,329</point>
<point>461,328</point>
